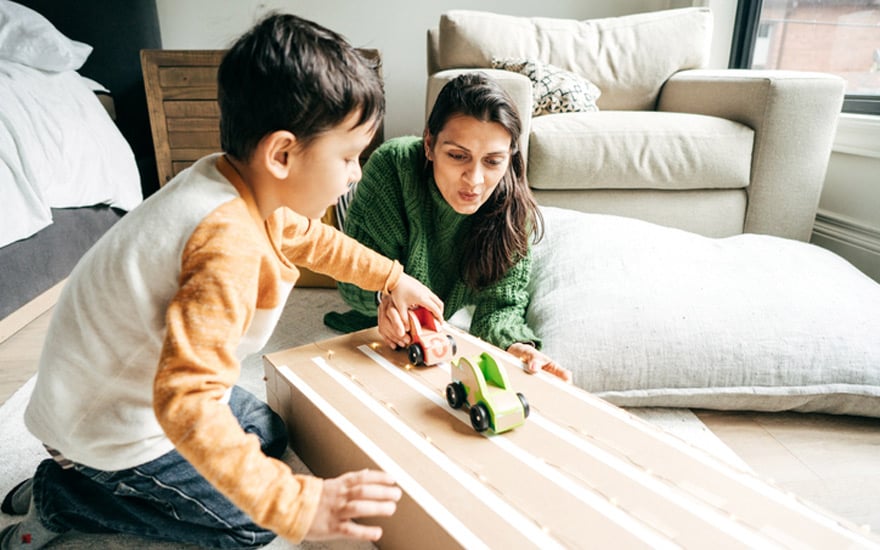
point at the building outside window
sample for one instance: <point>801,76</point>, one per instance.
<point>841,37</point>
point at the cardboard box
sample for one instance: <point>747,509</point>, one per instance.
<point>579,473</point>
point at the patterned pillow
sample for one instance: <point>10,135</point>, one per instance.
<point>555,90</point>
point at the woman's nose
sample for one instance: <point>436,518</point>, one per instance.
<point>474,174</point>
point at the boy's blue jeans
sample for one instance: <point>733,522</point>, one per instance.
<point>163,499</point>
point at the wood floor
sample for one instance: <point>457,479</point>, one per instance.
<point>831,461</point>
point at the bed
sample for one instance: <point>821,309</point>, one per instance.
<point>67,171</point>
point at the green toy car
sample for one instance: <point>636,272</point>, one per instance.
<point>483,384</point>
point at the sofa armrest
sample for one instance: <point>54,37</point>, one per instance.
<point>794,116</point>
<point>518,86</point>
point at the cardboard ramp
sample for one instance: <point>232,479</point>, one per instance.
<point>579,473</point>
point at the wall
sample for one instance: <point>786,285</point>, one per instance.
<point>396,27</point>
<point>848,221</point>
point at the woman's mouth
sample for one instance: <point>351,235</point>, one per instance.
<point>468,197</point>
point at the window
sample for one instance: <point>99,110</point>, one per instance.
<point>841,37</point>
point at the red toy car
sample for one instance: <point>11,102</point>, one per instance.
<point>429,344</point>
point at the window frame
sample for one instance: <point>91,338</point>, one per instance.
<point>745,31</point>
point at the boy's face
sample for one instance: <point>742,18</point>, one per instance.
<point>323,171</point>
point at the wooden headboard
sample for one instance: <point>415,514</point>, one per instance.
<point>181,87</point>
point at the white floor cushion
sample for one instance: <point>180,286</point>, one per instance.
<point>646,315</point>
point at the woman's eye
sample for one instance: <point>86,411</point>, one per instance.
<point>457,156</point>
<point>494,162</point>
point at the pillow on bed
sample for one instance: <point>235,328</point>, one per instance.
<point>646,315</point>
<point>28,38</point>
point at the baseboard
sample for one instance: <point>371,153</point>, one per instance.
<point>19,318</point>
<point>857,242</point>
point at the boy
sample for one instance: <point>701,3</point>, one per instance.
<point>135,396</point>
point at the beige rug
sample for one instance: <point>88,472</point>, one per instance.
<point>300,324</point>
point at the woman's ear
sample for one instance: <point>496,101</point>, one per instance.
<point>276,151</point>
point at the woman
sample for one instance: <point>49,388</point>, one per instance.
<point>454,208</point>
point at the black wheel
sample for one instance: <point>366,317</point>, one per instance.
<point>452,344</point>
<point>416,354</point>
<point>480,417</point>
<point>525,404</point>
<point>455,394</point>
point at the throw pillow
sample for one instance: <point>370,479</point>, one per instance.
<point>649,316</point>
<point>28,38</point>
<point>555,90</point>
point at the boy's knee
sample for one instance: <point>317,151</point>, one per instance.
<point>256,417</point>
<point>275,443</point>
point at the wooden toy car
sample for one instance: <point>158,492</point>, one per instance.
<point>429,344</point>
<point>483,384</point>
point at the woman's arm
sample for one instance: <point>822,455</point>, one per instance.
<point>500,313</point>
<point>500,318</point>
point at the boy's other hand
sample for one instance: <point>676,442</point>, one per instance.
<point>367,493</point>
<point>410,292</point>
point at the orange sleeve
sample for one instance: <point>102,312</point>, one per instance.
<point>322,248</point>
<point>205,321</point>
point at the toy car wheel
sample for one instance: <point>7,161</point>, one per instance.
<point>525,404</point>
<point>455,394</point>
<point>452,344</point>
<point>480,417</point>
<point>416,354</point>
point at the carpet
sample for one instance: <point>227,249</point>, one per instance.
<point>301,323</point>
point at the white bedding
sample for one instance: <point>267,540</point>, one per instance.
<point>58,148</point>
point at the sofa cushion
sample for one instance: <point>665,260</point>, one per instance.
<point>628,58</point>
<point>554,90</point>
<point>644,150</point>
<point>646,315</point>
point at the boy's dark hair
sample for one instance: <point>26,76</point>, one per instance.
<point>289,73</point>
<point>502,227</point>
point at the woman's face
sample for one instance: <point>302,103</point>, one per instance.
<point>470,157</point>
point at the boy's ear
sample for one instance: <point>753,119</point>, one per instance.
<point>277,152</point>
<point>428,142</point>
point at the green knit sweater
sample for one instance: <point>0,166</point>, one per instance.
<point>397,213</point>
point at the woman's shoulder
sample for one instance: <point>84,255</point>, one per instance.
<point>395,162</point>
<point>399,147</point>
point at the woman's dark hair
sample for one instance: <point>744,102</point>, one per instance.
<point>288,73</point>
<point>502,226</point>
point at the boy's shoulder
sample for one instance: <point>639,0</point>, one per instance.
<point>184,202</point>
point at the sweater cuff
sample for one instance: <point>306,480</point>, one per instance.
<point>393,278</point>
<point>311,497</point>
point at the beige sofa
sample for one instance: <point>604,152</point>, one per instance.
<point>716,152</point>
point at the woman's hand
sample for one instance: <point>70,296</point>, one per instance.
<point>367,493</point>
<point>534,361</point>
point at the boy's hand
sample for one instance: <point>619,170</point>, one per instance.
<point>410,292</point>
<point>391,326</point>
<point>367,493</point>
<point>534,361</point>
